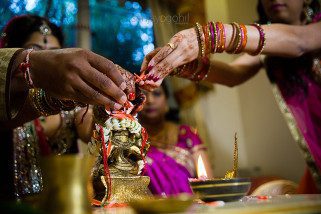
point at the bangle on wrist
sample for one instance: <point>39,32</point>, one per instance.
<point>261,40</point>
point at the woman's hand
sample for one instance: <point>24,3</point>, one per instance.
<point>181,49</point>
<point>80,75</point>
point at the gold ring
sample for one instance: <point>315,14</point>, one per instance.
<point>171,45</point>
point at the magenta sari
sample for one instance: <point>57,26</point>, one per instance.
<point>169,169</point>
<point>298,93</point>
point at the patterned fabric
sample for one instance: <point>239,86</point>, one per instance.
<point>27,151</point>
<point>5,56</point>
<point>169,169</point>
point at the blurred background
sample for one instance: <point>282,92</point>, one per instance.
<point>125,31</point>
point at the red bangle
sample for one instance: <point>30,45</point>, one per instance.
<point>261,41</point>
<point>24,67</point>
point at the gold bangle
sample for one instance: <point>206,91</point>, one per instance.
<point>200,40</point>
<point>229,49</point>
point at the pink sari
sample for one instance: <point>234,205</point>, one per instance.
<point>170,168</point>
<point>298,94</point>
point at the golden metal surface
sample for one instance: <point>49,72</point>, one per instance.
<point>223,195</point>
<point>126,189</point>
<point>233,173</point>
<point>220,185</point>
<point>67,186</point>
<point>177,204</point>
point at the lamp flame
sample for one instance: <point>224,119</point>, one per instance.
<point>201,172</point>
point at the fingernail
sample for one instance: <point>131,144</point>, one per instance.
<point>123,86</point>
<point>117,106</point>
<point>150,67</point>
<point>150,77</point>
<point>123,99</point>
<point>155,79</point>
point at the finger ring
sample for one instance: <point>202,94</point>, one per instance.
<point>171,45</point>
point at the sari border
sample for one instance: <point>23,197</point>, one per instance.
<point>297,135</point>
<point>182,156</point>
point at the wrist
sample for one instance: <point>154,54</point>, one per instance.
<point>24,68</point>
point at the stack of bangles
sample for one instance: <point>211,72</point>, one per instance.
<point>212,39</point>
<point>47,105</point>
<point>43,103</point>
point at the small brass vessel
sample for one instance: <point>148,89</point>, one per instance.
<point>67,185</point>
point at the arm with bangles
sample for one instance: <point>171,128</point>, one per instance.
<point>17,105</point>
<point>280,40</point>
<point>68,74</point>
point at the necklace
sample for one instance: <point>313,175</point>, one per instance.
<point>165,138</point>
<point>161,137</point>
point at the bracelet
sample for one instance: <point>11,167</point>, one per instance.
<point>213,37</point>
<point>238,41</point>
<point>261,41</point>
<point>229,49</point>
<point>207,40</point>
<point>185,70</point>
<point>202,70</point>
<point>221,37</point>
<point>196,70</point>
<point>201,44</point>
<point>209,37</point>
<point>38,100</point>
<point>243,39</point>
<point>47,105</point>
<point>244,34</point>
<point>24,67</point>
<point>234,39</point>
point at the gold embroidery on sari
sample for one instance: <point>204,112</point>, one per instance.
<point>181,156</point>
<point>297,135</point>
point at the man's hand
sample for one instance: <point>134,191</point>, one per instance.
<point>79,75</point>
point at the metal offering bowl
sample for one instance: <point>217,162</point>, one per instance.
<point>173,204</point>
<point>221,189</point>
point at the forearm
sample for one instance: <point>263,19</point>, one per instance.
<point>292,41</point>
<point>281,39</point>
<point>234,73</point>
<point>13,88</point>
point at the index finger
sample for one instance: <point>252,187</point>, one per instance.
<point>163,53</point>
<point>148,57</point>
<point>108,68</point>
